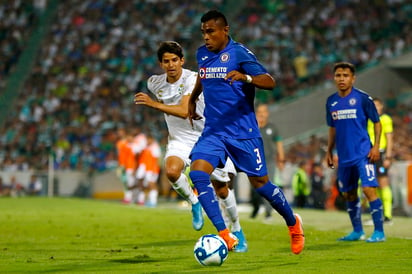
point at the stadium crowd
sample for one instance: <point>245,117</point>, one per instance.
<point>97,54</point>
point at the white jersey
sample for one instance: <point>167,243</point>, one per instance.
<point>171,94</point>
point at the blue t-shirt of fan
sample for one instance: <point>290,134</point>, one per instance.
<point>349,116</point>
<point>229,108</point>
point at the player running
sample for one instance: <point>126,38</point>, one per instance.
<point>172,90</point>
<point>228,75</point>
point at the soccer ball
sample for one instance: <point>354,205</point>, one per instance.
<point>210,250</point>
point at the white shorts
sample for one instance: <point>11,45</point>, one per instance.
<point>178,149</point>
<point>146,176</point>
<point>222,174</point>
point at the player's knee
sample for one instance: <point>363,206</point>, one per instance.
<point>173,174</point>
<point>199,176</point>
<point>258,182</point>
<point>221,189</point>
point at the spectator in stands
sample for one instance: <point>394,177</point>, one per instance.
<point>35,186</point>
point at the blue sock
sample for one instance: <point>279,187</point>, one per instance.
<point>207,198</point>
<point>354,210</point>
<point>278,201</point>
<point>377,215</point>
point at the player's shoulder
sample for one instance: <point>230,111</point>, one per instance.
<point>385,118</point>
<point>362,94</point>
<point>188,73</point>
<point>331,97</point>
<point>240,48</point>
<point>156,80</point>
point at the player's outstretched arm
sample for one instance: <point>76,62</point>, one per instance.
<point>180,110</point>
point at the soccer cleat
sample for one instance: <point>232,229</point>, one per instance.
<point>297,238</point>
<point>242,245</point>
<point>231,240</point>
<point>197,216</point>
<point>377,236</point>
<point>353,236</point>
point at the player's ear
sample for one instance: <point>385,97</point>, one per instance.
<point>182,60</point>
<point>226,29</point>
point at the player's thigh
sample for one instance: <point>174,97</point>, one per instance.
<point>179,150</point>
<point>248,156</point>
<point>367,173</point>
<point>210,149</point>
<point>348,178</point>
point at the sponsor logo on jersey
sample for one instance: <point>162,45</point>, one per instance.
<point>344,114</point>
<point>212,72</point>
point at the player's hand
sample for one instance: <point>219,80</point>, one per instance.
<point>235,75</point>
<point>142,98</point>
<point>374,155</point>
<point>329,160</point>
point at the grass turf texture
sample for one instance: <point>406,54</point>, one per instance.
<point>62,235</point>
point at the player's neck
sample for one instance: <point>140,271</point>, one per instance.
<point>344,93</point>
<point>173,79</point>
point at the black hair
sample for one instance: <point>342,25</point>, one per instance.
<point>170,47</point>
<point>213,14</point>
<point>344,65</point>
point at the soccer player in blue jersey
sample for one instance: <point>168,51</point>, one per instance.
<point>228,75</point>
<point>347,114</point>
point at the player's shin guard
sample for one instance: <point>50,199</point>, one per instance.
<point>231,209</point>
<point>183,188</point>
<point>207,198</point>
<point>354,210</point>
<point>376,212</point>
<point>278,201</point>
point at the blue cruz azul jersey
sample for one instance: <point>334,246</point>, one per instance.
<point>229,108</point>
<point>349,116</point>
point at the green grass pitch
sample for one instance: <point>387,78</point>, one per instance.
<point>64,235</point>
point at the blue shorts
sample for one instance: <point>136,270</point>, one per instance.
<point>349,175</point>
<point>246,154</point>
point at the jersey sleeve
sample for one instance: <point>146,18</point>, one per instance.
<point>329,120</point>
<point>248,61</point>
<point>370,109</point>
<point>189,83</point>
<point>151,84</point>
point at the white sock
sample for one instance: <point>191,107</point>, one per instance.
<point>225,216</point>
<point>231,209</point>
<point>140,197</point>
<point>152,197</point>
<point>182,187</point>
<point>128,194</point>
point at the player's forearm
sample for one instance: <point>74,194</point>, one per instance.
<point>389,145</point>
<point>197,90</point>
<point>377,129</point>
<point>175,110</point>
<point>263,81</point>
<point>331,140</point>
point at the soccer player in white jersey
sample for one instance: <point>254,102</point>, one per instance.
<point>172,90</point>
